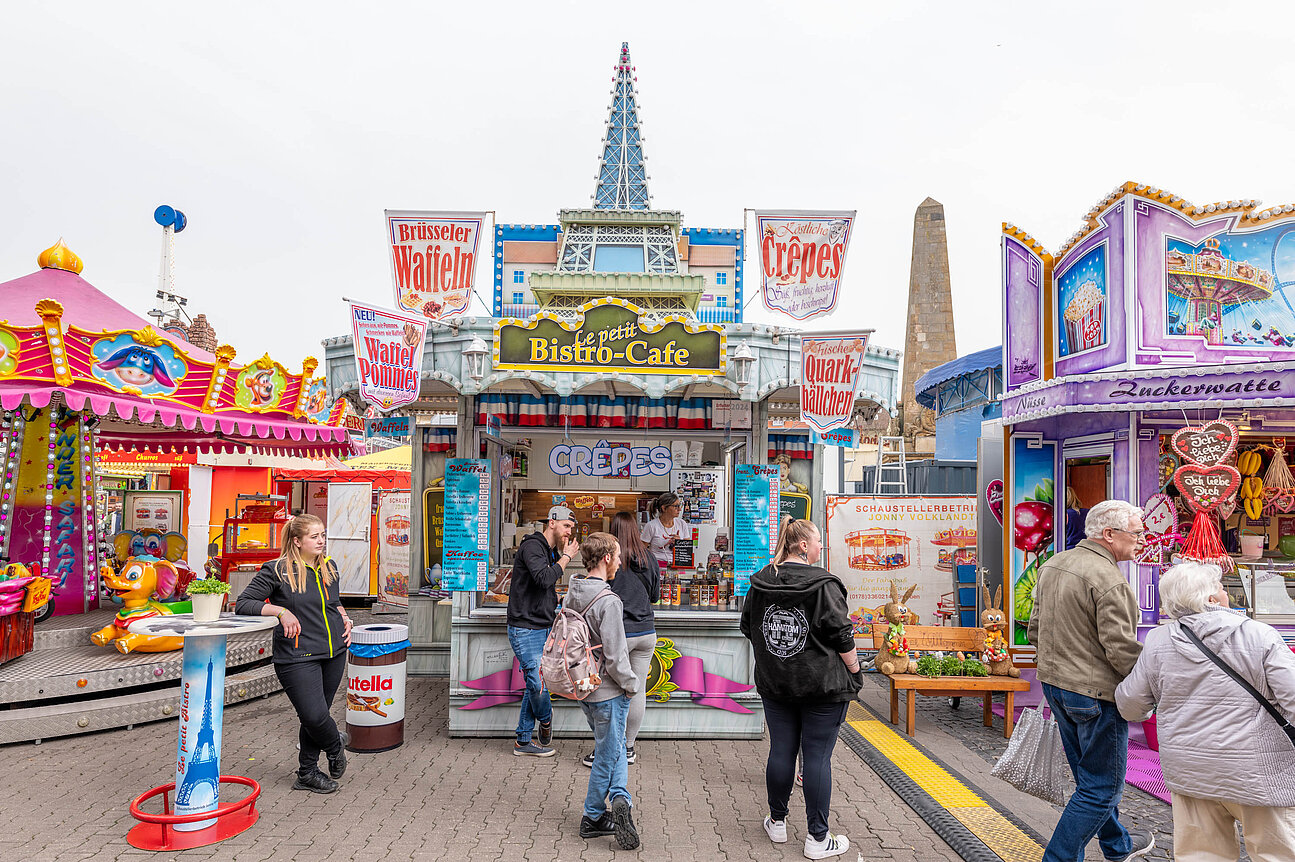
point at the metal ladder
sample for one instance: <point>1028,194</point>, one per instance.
<point>892,460</point>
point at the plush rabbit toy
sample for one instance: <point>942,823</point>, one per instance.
<point>992,620</point>
<point>893,657</point>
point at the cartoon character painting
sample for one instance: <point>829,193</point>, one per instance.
<point>141,363</point>
<point>316,405</point>
<point>260,385</point>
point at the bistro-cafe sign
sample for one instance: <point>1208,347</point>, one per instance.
<point>609,335</point>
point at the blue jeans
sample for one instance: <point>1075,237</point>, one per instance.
<point>611,771</point>
<point>793,728</point>
<point>1096,740</point>
<point>527,645</point>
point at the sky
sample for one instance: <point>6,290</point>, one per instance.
<point>283,130</point>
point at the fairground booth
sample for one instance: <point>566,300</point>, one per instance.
<point>1148,360</point>
<point>81,375</point>
<point>616,366</point>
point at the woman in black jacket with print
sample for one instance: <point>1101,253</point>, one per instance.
<point>301,589</point>
<point>807,672</point>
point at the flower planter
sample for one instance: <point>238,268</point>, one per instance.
<point>206,606</point>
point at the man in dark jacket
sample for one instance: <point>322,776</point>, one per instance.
<point>1084,627</point>
<point>532,607</point>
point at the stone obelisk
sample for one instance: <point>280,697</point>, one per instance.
<point>929,341</point>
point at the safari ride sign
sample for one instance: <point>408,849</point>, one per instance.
<point>610,335</point>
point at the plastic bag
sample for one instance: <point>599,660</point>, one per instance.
<point>1035,761</point>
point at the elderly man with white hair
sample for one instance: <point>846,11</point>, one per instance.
<point>1225,758</point>
<point>1084,628</point>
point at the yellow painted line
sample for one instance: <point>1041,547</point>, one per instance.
<point>997,832</point>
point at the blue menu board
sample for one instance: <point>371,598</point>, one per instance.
<point>755,521</point>
<point>466,542</point>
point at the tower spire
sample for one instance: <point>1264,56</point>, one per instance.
<point>622,177</point>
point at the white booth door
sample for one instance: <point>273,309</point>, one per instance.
<point>350,514</point>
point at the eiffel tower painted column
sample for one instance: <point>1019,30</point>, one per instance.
<point>202,706</point>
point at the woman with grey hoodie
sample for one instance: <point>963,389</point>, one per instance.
<point>1224,757</point>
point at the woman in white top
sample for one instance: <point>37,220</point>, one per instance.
<point>666,526</point>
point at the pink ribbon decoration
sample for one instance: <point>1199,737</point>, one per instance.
<point>707,689</point>
<point>504,686</point>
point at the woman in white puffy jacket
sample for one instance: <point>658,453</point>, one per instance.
<point>1225,759</point>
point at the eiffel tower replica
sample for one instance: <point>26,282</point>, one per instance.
<point>204,766</point>
<point>621,246</point>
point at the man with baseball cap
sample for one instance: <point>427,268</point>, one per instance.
<point>532,607</point>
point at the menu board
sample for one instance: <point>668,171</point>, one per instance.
<point>682,549</point>
<point>755,521</point>
<point>466,537</point>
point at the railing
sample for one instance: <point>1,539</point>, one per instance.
<point>715,315</point>
<point>508,309</point>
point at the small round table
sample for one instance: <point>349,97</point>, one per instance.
<point>197,760</point>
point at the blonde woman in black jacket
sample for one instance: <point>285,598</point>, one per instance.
<point>807,672</point>
<point>301,589</point>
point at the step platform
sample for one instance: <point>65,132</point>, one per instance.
<point>67,685</point>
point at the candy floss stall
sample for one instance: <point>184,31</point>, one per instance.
<point>1152,359</point>
<point>80,373</point>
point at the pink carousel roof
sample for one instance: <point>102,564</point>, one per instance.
<point>62,339</point>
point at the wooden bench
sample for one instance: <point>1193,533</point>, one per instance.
<point>948,640</point>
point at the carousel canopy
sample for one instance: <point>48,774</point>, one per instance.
<point>64,342</point>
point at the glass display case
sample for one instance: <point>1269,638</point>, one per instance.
<point>1265,588</point>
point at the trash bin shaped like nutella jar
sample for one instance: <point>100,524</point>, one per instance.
<point>375,687</point>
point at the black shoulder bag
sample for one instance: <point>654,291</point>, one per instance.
<point>1241,681</point>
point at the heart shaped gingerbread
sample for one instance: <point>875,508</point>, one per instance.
<point>1207,445</point>
<point>1205,488</point>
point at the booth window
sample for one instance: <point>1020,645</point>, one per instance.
<point>721,278</point>
<point>519,276</point>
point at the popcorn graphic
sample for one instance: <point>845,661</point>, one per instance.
<point>1085,318</point>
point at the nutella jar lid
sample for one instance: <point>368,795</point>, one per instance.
<point>379,633</point>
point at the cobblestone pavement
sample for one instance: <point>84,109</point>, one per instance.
<point>1138,810</point>
<point>435,798</point>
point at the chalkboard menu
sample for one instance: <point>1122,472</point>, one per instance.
<point>682,549</point>
<point>795,505</point>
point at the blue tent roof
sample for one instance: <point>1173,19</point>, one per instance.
<point>969,364</point>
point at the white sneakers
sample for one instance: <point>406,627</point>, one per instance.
<point>777,830</point>
<point>831,845</point>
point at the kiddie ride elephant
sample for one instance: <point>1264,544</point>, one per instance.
<point>140,579</point>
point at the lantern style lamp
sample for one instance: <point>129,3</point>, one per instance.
<point>475,356</point>
<point>744,363</point>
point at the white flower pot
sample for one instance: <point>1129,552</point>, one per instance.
<point>206,606</point>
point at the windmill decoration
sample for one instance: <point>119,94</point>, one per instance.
<point>1207,483</point>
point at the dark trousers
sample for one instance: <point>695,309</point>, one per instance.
<point>1096,740</point>
<point>811,728</point>
<point>311,686</point>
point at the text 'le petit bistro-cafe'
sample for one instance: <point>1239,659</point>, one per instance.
<point>610,335</point>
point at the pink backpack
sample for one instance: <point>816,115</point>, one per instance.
<point>569,658</point>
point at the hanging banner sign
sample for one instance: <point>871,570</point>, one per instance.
<point>755,521</point>
<point>465,546</point>
<point>388,354</point>
<point>829,379</point>
<point>395,427</point>
<point>433,260</point>
<point>802,256</point>
<point>609,335</point>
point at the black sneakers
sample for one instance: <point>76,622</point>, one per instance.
<point>315,782</point>
<point>337,763</point>
<point>546,733</point>
<point>626,835</point>
<point>604,825</point>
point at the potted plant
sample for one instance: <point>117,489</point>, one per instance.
<point>928,666</point>
<point>208,596</point>
<point>951,665</point>
<point>974,667</point>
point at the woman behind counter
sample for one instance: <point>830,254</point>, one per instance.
<point>666,525</point>
<point>310,646</point>
<point>807,672</point>
<point>1225,759</point>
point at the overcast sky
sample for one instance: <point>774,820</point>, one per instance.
<point>283,130</point>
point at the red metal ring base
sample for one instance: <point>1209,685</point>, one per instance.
<point>157,831</point>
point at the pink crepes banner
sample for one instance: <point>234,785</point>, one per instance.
<point>688,673</point>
